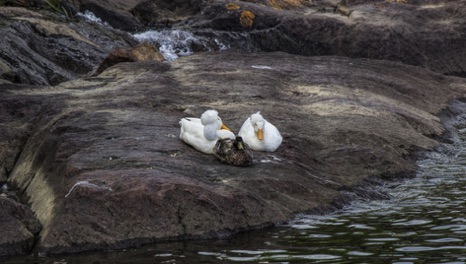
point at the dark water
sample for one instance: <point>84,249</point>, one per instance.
<point>424,222</point>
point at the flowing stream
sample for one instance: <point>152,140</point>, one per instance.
<point>175,43</point>
<point>424,222</point>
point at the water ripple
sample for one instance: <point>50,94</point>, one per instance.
<point>413,222</point>
<point>383,239</point>
<point>445,240</point>
<point>424,248</point>
<point>359,253</point>
<point>450,227</point>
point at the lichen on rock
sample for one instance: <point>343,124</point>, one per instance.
<point>246,18</point>
<point>231,6</point>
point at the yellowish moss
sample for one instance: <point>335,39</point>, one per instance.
<point>274,4</point>
<point>397,1</point>
<point>231,6</point>
<point>294,2</point>
<point>246,18</point>
<point>280,4</point>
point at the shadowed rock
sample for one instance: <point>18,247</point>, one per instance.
<point>424,33</point>
<point>116,13</point>
<point>19,227</point>
<point>38,51</point>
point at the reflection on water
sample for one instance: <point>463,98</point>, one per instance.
<point>425,222</point>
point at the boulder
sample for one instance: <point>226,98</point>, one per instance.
<point>141,52</point>
<point>40,49</point>
<point>19,227</point>
<point>103,166</point>
<point>164,13</point>
<point>117,13</point>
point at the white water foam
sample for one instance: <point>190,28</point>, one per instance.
<point>175,43</point>
<point>91,17</point>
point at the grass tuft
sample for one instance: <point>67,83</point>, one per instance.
<point>57,7</point>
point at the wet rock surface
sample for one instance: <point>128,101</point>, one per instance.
<point>98,161</point>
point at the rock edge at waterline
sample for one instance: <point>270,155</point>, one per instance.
<point>101,164</point>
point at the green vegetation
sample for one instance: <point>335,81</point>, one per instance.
<point>56,6</point>
<point>23,3</point>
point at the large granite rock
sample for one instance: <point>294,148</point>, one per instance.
<point>98,160</point>
<point>103,166</point>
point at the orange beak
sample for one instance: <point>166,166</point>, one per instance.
<point>260,134</point>
<point>224,127</point>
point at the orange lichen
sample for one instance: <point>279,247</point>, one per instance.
<point>246,18</point>
<point>284,4</point>
<point>274,4</point>
<point>231,6</point>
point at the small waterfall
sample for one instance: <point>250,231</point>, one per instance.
<point>91,17</point>
<point>175,43</point>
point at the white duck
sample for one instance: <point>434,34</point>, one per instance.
<point>259,134</point>
<point>202,134</point>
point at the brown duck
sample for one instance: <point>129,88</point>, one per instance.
<point>233,152</point>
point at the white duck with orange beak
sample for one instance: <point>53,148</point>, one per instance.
<point>259,134</point>
<point>203,133</point>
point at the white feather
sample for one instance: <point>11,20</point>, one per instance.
<point>202,134</point>
<point>271,136</point>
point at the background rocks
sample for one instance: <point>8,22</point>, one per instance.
<point>416,33</point>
